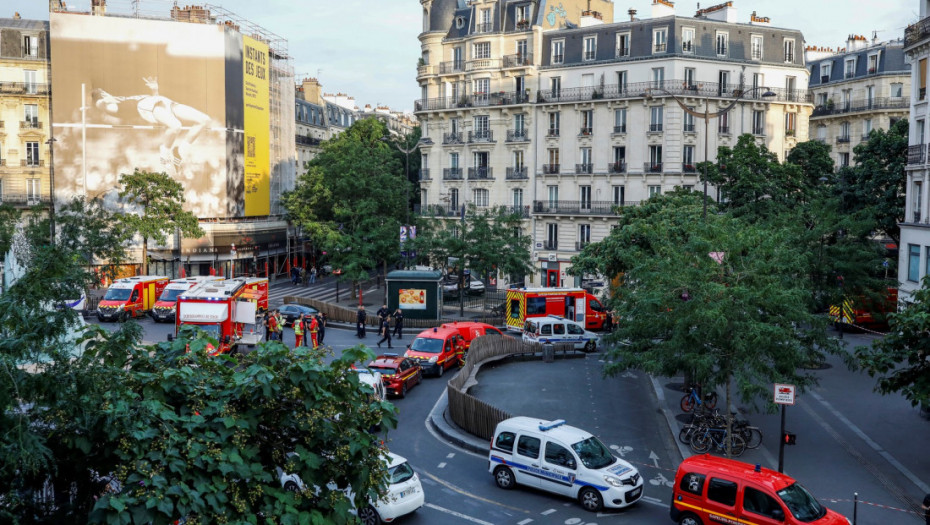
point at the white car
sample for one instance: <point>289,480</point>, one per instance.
<point>553,329</point>
<point>404,492</point>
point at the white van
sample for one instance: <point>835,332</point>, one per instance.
<point>553,329</point>
<point>559,458</point>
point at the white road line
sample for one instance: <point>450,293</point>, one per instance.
<point>441,465</point>
<point>457,514</point>
<point>524,522</point>
<point>450,455</point>
<point>547,512</point>
<point>654,501</point>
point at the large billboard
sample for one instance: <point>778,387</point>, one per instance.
<point>154,95</point>
<point>255,90</point>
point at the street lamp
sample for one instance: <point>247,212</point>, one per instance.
<point>707,115</point>
<point>406,153</point>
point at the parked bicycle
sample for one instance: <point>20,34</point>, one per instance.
<point>701,420</point>
<point>693,399</point>
<point>717,438</point>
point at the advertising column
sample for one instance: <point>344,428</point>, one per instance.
<point>255,87</point>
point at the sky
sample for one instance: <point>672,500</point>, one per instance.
<point>368,49</point>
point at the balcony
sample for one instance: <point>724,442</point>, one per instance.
<point>824,79</point>
<point>855,106</point>
<point>32,163</point>
<point>484,27</point>
<point>581,169</point>
<point>522,25</point>
<point>24,88</point>
<point>872,70</point>
<point>517,135</point>
<point>452,174</point>
<point>552,132</point>
<point>453,66</point>
<point>789,57</point>
<point>660,48</point>
<point>518,60</point>
<point>550,169</point>
<point>723,130</point>
<point>516,173</point>
<point>424,174</point>
<point>306,141</point>
<point>521,211</point>
<point>652,167</point>
<point>30,124</point>
<point>842,139</point>
<point>550,244</point>
<point>687,167</point>
<point>482,173</point>
<point>439,210</point>
<point>24,199</point>
<point>617,167</point>
<point>480,64</point>
<point>917,32</point>
<point>622,52</point>
<point>579,245</point>
<point>585,132</point>
<point>620,129</point>
<point>865,137</point>
<point>687,47</point>
<point>916,217</point>
<point>655,128</point>
<point>582,207</point>
<point>558,59</point>
<point>481,135</point>
<point>916,154</point>
<point>849,74</point>
<point>689,127</point>
<point>453,138</point>
<point>589,55</point>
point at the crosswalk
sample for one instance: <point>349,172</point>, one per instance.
<point>325,291</point>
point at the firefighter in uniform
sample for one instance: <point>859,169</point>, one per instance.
<point>314,331</point>
<point>460,350</point>
<point>298,332</point>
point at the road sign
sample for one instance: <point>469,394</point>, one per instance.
<point>784,394</point>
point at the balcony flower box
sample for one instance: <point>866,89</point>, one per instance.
<point>689,167</point>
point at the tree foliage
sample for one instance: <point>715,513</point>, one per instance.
<point>718,298</point>
<point>901,359</point>
<point>156,208</point>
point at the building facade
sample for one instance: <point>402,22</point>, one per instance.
<point>862,87</point>
<point>25,157</point>
<point>564,124</point>
<point>914,252</point>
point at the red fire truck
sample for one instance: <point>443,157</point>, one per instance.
<point>165,307</point>
<point>571,303</point>
<point>130,297</point>
<point>226,310</point>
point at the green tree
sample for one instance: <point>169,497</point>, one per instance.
<point>875,183</point>
<point>351,200</point>
<point>718,299</point>
<point>901,359</point>
<point>9,217</point>
<point>156,204</point>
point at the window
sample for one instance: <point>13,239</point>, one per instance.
<point>619,153</point>
<point>622,80</point>
<point>481,197</point>
<point>31,115</point>
<point>505,441</point>
<point>844,131</point>
<point>758,80</point>
<point>555,85</point>
<point>30,46</point>
<point>619,195</point>
<point>659,40</point>
<point>691,482</point>
<point>655,158</point>
<point>918,187</point>
<point>789,50</point>
<point>584,194</point>
<point>584,231</point>
<point>655,190</point>
<point>454,160</point>
<point>522,50</point>
<point>457,60</point>
<point>850,70</point>
<point>689,122</point>
<point>528,447</point>
<point>873,63</point>
<point>482,86</point>
<point>585,155</point>
<point>723,40</point>
<point>590,48</point>
<point>723,79</point>
<point>870,95</point>
<point>721,490</point>
<point>758,122</point>
<point>822,133</point>
<point>32,153</point>
<point>481,50</point>
<point>29,80</point>
<point>553,155</point>
<point>559,455</point>
<point>484,21</point>
<point>558,51</point>
<point>482,127</point>
<point>689,78</point>
<point>913,263</point>
<point>866,128</point>
<point>33,191</point>
<point>755,46</point>
<point>759,502</point>
<point>687,40</point>
<point>826,69</point>
<point>687,157</point>
<point>453,199</point>
<point>554,119</point>
<point>844,159</point>
<point>552,234</point>
<point>553,194</point>
<point>587,121</point>
<point>847,99</point>
<point>658,76</point>
<point>897,89</point>
<point>523,14</point>
<point>620,120</point>
<point>655,119</point>
<point>518,159</point>
<point>723,123</point>
<point>791,124</point>
<point>623,45</point>
<point>517,198</point>
<point>519,123</point>
<point>822,99</point>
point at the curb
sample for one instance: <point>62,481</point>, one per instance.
<point>451,432</point>
<point>670,419</point>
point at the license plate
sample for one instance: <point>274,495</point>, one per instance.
<point>635,493</point>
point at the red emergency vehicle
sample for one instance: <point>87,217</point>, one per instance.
<point>130,297</point>
<point>165,307</point>
<point>226,310</point>
<point>574,304</point>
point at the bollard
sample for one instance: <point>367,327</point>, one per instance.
<point>548,353</point>
<point>855,506</point>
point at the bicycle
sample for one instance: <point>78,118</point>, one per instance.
<point>693,398</point>
<point>718,438</point>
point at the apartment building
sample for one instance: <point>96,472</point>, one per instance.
<point>856,89</point>
<point>914,252</point>
<point>25,176</point>
<point>565,123</point>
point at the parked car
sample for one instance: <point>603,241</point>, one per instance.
<point>553,329</point>
<point>290,312</point>
<point>398,373</point>
<point>450,286</point>
<point>437,349</point>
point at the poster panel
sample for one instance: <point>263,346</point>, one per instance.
<point>255,90</point>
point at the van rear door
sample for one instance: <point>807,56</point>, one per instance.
<point>721,500</point>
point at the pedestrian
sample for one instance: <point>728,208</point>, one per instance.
<point>271,327</point>
<point>926,507</point>
<point>360,319</point>
<point>609,322</point>
<point>382,314</point>
<point>265,322</point>
<point>298,332</point>
<point>314,331</point>
<point>385,332</point>
<point>279,325</point>
<point>313,274</point>
<point>321,323</point>
<point>295,274</point>
<point>399,323</point>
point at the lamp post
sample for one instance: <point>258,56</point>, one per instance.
<point>707,115</point>
<point>51,183</point>
<point>406,153</point>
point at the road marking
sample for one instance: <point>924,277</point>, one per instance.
<point>469,494</point>
<point>457,514</point>
<point>442,465</point>
<point>654,501</point>
<point>524,522</point>
<point>450,455</point>
<point>547,512</point>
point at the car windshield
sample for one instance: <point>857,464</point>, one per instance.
<point>117,294</point>
<point>802,505</point>
<point>593,453</point>
<point>171,294</point>
<point>385,370</point>
<point>400,473</point>
<point>431,346</point>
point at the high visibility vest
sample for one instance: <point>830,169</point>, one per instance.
<point>298,327</point>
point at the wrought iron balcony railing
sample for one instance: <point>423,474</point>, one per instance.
<point>652,167</point>
<point>516,173</point>
<point>481,135</point>
<point>687,167</point>
<point>452,174</point>
<point>550,169</point>
<point>453,138</point>
<point>482,173</point>
<point>916,154</point>
<point>584,168</point>
<point>424,174</point>
<point>517,135</point>
<point>616,167</point>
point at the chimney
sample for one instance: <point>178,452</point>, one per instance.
<point>632,13</point>
<point>874,37</point>
<point>662,8</point>
<point>856,42</point>
<point>16,15</point>
<point>724,12</point>
<point>759,20</point>
<point>312,89</point>
<point>98,7</point>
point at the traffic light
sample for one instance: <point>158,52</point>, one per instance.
<point>788,438</point>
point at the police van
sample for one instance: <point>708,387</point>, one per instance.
<point>553,329</point>
<point>559,458</point>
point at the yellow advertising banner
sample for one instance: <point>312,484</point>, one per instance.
<point>255,91</point>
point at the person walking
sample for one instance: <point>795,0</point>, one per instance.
<point>399,323</point>
<point>360,317</point>
<point>313,274</point>
<point>321,324</point>
<point>314,331</point>
<point>295,274</point>
<point>382,313</point>
<point>298,332</point>
<point>386,332</point>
